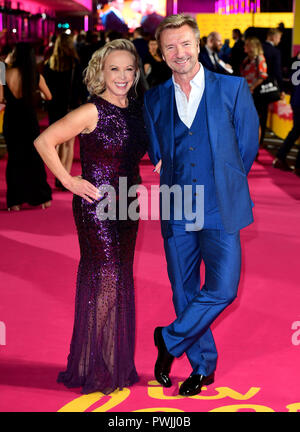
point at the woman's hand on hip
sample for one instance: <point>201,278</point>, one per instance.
<point>83,188</point>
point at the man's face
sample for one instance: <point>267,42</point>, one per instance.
<point>215,43</point>
<point>277,38</point>
<point>180,49</point>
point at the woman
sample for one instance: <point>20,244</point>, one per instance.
<point>112,142</point>
<point>156,70</point>
<point>63,76</point>
<point>254,69</point>
<point>25,172</point>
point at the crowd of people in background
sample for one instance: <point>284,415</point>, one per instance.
<point>61,61</point>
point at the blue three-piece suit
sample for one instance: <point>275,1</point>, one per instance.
<point>217,151</point>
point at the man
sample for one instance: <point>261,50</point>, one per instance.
<point>141,44</point>
<point>274,69</point>
<point>237,54</point>
<point>113,18</point>
<point>209,55</point>
<point>203,130</point>
<point>280,160</point>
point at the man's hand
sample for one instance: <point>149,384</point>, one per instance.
<point>157,167</point>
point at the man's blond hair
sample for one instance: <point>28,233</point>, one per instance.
<point>177,21</point>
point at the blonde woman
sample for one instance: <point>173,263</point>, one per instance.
<point>63,76</point>
<point>254,70</point>
<point>254,66</point>
<point>112,142</point>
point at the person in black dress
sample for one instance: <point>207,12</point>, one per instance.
<point>25,172</point>
<point>156,69</point>
<point>63,76</point>
<point>112,142</point>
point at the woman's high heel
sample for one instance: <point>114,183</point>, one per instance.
<point>14,208</point>
<point>46,205</point>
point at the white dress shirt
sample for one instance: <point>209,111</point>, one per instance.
<point>216,59</point>
<point>187,109</point>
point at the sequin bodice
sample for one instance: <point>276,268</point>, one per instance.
<point>114,148</point>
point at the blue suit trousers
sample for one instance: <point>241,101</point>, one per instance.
<point>196,309</point>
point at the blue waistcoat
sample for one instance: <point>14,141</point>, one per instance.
<point>193,165</point>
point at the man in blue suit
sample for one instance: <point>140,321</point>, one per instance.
<point>203,130</point>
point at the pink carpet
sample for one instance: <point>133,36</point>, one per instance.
<point>258,336</point>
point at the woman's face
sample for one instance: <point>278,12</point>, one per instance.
<point>248,48</point>
<point>152,47</point>
<point>119,72</point>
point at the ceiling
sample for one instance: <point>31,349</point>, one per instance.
<point>67,5</point>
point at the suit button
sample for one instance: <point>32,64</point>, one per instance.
<point>191,148</point>
<point>192,164</point>
<point>190,133</point>
<point>194,180</point>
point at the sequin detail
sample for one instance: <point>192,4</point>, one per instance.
<point>101,354</point>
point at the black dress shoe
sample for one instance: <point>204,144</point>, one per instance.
<point>192,386</point>
<point>164,359</point>
<point>281,164</point>
<point>297,171</point>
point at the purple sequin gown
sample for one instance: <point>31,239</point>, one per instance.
<point>102,347</point>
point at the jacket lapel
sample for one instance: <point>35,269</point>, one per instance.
<point>167,115</point>
<point>213,104</point>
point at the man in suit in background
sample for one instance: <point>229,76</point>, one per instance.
<point>113,18</point>
<point>203,130</point>
<point>209,55</point>
<point>274,69</point>
<point>141,44</point>
<point>237,54</point>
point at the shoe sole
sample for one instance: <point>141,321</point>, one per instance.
<point>205,383</point>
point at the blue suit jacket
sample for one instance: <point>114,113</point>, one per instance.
<point>233,135</point>
<point>205,60</point>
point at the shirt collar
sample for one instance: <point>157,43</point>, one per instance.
<point>209,50</point>
<point>196,81</point>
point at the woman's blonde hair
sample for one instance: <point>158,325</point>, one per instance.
<point>255,46</point>
<point>94,72</point>
<point>177,21</point>
<point>64,55</point>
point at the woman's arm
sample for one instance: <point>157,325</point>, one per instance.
<point>82,119</point>
<point>1,94</point>
<point>44,89</point>
<point>257,83</point>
